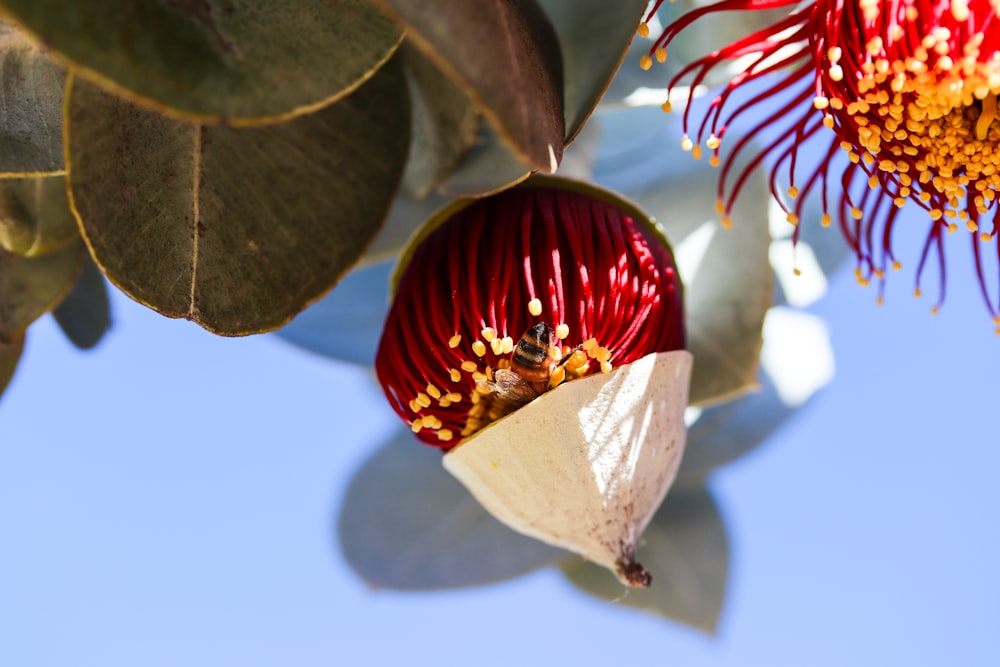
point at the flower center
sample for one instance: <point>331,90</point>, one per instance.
<point>924,117</point>
<point>507,374</point>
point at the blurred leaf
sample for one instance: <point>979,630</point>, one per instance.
<point>686,551</point>
<point>30,287</point>
<point>31,102</point>
<point>85,314</point>
<point>727,431</point>
<point>696,41</point>
<point>229,60</point>
<point>405,523</point>
<point>727,297</point>
<point>347,323</point>
<point>235,229</point>
<point>727,277</point>
<point>505,55</point>
<point>796,362</point>
<point>10,354</point>
<point>488,167</point>
<point>444,123</point>
<point>594,36</point>
<point>405,215</point>
<point>35,217</point>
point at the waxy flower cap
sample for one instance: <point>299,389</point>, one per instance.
<point>906,91</point>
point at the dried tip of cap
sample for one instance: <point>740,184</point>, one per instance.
<point>632,574</point>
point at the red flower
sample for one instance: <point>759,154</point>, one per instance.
<point>907,88</point>
<point>547,278</point>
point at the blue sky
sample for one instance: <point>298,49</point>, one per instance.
<point>170,497</point>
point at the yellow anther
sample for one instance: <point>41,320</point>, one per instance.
<point>661,55</point>
<point>454,375</point>
<point>416,425</point>
<point>507,345</point>
<point>645,62</point>
<point>606,367</point>
<point>445,434</point>
<point>667,107</point>
<point>986,117</point>
<point>454,341</point>
<point>557,377</point>
<point>423,400</point>
<point>470,366</point>
<point>479,348</point>
<point>433,391</point>
<point>643,30</point>
<point>792,218</point>
<point>562,331</point>
<point>488,334</point>
<point>535,307</point>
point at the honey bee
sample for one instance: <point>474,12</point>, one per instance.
<point>530,369</point>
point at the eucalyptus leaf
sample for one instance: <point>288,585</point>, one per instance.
<point>227,60</point>
<point>406,214</point>
<point>726,273</point>
<point>504,54</point>
<point>686,549</point>
<point>237,229</point>
<point>594,36</point>
<point>405,523</point>
<point>31,286</point>
<point>727,431</point>
<point>85,314</point>
<point>487,168</point>
<point>444,124</point>
<point>31,102</point>
<point>35,217</point>
<point>697,40</point>
<point>10,354</point>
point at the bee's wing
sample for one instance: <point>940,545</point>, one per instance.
<point>509,387</point>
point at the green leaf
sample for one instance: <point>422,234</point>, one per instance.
<point>85,314</point>
<point>10,354</point>
<point>31,286</point>
<point>235,229</point>
<point>594,36</point>
<point>35,217</point>
<point>444,123</point>
<point>405,523</point>
<point>686,550</point>
<point>31,102</point>
<point>504,55</point>
<point>488,167</point>
<point>227,60</point>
